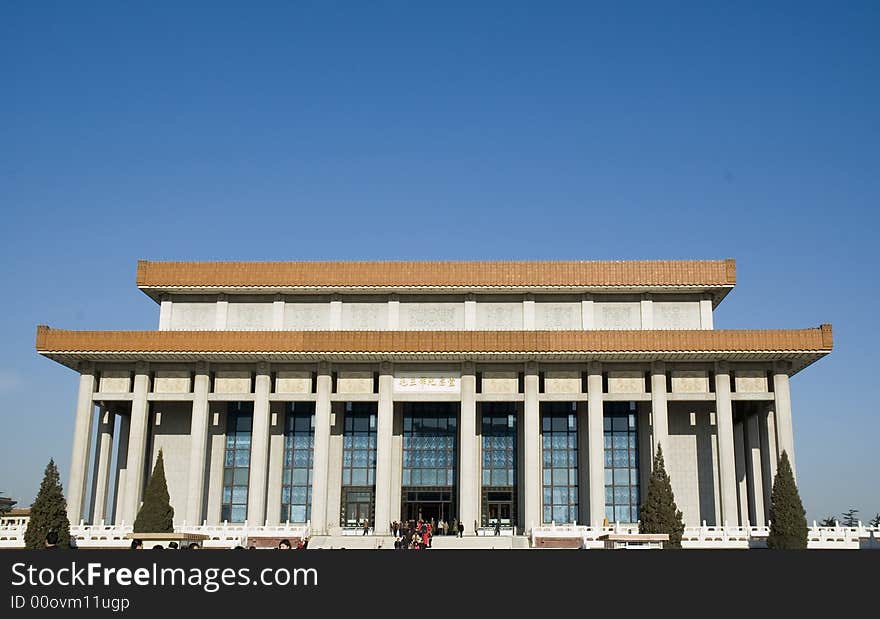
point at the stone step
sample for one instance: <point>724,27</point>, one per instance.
<point>480,542</point>
<point>351,542</point>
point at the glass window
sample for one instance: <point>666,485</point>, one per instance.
<point>559,422</point>
<point>299,441</point>
<point>430,431</point>
<point>621,462</point>
<point>239,417</point>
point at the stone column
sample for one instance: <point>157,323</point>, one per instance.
<point>769,454</point>
<point>165,313</point>
<point>742,484</point>
<point>335,312</point>
<point>393,312</point>
<point>256,511</point>
<point>528,312</point>
<point>468,477</point>
<point>195,491</point>
<point>726,457</point>
<point>588,314</point>
<point>659,409</point>
<point>103,455</point>
<point>384,435</point>
<point>137,443</point>
<point>222,313</point>
<point>782,397</point>
<point>706,312</point>
<point>596,434</point>
<point>321,450</point>
<point>278,313</point>
<point>754,471</point>
<point>583,447</point>
<point>276,463</point>
<point>647,311</point>
<point>82,444</point>
<point>531,449</point>
<point>470,312</point>
<point>121,458</point>
<point>397,463</point>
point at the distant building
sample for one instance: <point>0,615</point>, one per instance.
<point>517,392</point>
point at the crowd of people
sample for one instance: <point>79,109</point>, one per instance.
<point>417,534</point>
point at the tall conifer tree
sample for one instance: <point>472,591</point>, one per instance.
<point>788,521</point>
<point>659,514</point>
<point>156,514</point>
<point>48,512</point>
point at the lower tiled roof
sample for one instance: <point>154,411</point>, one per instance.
<point>794,341</point>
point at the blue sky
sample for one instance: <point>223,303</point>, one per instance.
<point>542,130</point>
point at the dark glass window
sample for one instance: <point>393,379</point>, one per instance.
<point>299,445</point>
<point>499,463</point>
<point>358,463</point>
<point>429,445</point>
<point>621,462</point>
<point>560,468</point>
<point>237,459</point>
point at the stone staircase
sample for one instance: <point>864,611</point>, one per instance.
<point>480,542</point>
<point>352,542</point>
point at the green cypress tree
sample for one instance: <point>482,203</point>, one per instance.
<point>659,514</point>
<point>48,512</point>
<point>156,514</point>
<point>788,521</point>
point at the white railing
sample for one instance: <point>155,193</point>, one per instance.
<point>101,535</point>
<point>230,535</point>
<point>722,537</point>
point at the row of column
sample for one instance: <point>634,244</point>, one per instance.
<point>132,465</point>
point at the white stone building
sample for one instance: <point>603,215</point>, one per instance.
<point>527,393</point>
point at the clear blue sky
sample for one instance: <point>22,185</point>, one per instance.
<point>363,130</point>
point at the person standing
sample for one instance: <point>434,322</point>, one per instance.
<point>366,526</point>
<point>461,529</point>
<point>497,526</point>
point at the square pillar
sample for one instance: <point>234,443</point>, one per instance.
<point>320,466</point>
<point>659,409</point>
<point>137,443</point>
<point>583,450</point>
<point>726,455</point>
<point>198,447</point>
<point>769,454</point>
<point>276,462</point>
<point>101,475</point>
<point>384,435</point>
<point>82,444</point>
<point>596,438</point>
<point>468,468</point>
<point>121,459</point>
<point>742,484</point>
<point>754,470</point>
<point>531,449</point>
<point>256,510</point>
<point>782,400</point>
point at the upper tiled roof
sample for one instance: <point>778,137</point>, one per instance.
<point>454,274</point>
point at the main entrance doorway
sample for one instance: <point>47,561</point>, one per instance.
<point>428,504</point>
<point>430,435</point>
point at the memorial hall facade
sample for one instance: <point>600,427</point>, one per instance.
<point>523,393</point>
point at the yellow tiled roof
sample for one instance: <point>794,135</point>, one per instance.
<point>612,273</point>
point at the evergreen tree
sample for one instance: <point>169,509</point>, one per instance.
<point>829,521</point>
<point>875,522</point>
<point>659,514</point>
<point>788,522</point>
<point>850,518</point>
<point>156,514</point>
<point>48,512</point>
